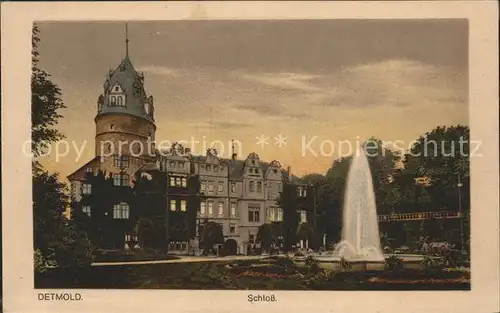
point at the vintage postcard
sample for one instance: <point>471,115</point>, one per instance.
<point>250,156</point>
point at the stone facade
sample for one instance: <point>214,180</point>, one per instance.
<point>240,195</point>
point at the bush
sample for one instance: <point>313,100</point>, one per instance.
<point>393,263</point>
<point>344,265</point>
<point>432,263</point>
<point>312,265</point>
<point>286,263</point>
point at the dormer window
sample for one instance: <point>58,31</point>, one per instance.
<point>120,101</point>
<point>117,88</point>
<point>113,100</point>
<point>146,107</point>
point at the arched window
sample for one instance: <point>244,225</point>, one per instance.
<point>120,101</point>
<point>121,211</point>
<point>113,100</point>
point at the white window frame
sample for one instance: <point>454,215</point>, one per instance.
<point>86,209</point>
<point>220,208</point>
<point>233,209</point>
<point>86,189</point>
<point>210,207</point>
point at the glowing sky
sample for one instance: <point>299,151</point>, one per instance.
<point>332,80</point>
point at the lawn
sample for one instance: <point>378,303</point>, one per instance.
<point>249,275</point>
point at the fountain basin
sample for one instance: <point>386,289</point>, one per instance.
<point>409,261</point>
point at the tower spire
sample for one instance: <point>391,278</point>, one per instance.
<point>126,39</point>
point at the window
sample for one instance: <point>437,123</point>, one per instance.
<point>173,205</point>
<point>233,209</point>
<point>121,161</point>
<point>202,208</point>
<point>279,217</point>
<point>87,189</point>
<point>86,210</point>
<point>172,163</point>
<point>253,162</point>
<point>172,181</point>
<point>219,187</point>
<point>271,214</point>
<point>178,181</point>
<point>251,238</point>
<point>183,206</point>
<point>275,171</point>
<point>116,180</point>
<point>210,186</point>
<point>125,180</point>
<point>233,187</point>
<point>301,191</point>
<point>120,101</point>
<point>113,101</point>
<point>125,161</point>
<point>251,186</point>
<point>256,171</point>
<point>88,170</point>
<point>121,211</point>
<point>259,186</point>
<point>112,126</point>
<point>208,167</point>
<point>203,186</point>
<point>303,216</point>
<point>184,182</point>
<point>232,228</point>
<point>216,168</point>
<point>210,207</point>
<point>181,164</point>
<point>254,214</point>
<point>221,208</point>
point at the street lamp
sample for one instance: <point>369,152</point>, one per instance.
<point>459,186</point>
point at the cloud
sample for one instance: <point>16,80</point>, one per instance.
<point>158,70</point>
<point>287,81</point>
<point>274,97</point>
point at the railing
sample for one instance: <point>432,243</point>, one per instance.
<point>419,216</point>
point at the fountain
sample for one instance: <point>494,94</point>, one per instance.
<point>360,235</point>
<point>360,241</point>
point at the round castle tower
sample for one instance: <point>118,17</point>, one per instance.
<point>125,126</point>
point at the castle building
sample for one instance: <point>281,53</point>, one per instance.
<point>240,195</point>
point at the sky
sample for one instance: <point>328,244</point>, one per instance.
<point>312,83</point>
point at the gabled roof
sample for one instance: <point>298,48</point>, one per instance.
<point>70,176</point>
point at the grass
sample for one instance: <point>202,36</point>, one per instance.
<point>244,275</point>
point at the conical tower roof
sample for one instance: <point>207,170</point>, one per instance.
<point>125,81</point>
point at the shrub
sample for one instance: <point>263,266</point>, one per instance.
<point>430,262</point>
<point>311,264</point>
<point>286,263</point>
<point>393,263</point>
<point>344,265</point>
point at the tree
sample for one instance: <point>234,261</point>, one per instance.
<point>211,235</point>
<point>144,230</point>
<point>305,231</point>
<point>265,236</point>
<point>440,159</point>
<point>57,240</point>
<point>46,103</point>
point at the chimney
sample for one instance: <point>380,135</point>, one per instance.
<point>289,171</point>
